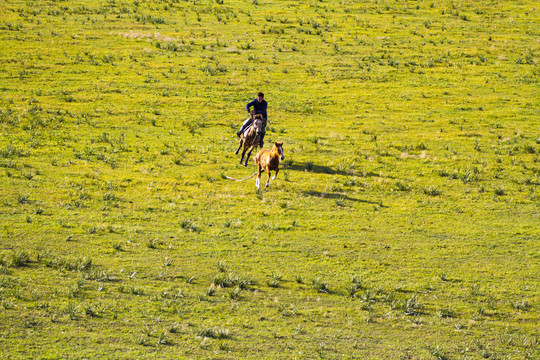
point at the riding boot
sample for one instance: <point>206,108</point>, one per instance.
<point>262,138</point>
<point>244,126</point>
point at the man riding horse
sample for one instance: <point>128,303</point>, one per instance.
<point>259,107</point>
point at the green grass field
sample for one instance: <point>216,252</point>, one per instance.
<point>404,223</point>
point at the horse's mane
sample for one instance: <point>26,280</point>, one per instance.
<point>257,117</point>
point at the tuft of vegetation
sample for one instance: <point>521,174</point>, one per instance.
<point>321,286</point>
<point>20,258</point>
<point>232,279</point>
<point>214,333</point>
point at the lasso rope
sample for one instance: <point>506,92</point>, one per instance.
<point>233,179</point>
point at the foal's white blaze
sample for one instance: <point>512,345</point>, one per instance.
<point>280,150</point>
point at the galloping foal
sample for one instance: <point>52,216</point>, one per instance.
<point>251,138</point>
<point>268,160</point>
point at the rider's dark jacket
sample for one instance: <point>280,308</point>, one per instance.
<point>258,107</point>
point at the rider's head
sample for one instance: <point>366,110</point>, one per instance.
<point>260,96</point>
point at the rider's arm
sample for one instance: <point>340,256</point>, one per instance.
<point>250,104</point>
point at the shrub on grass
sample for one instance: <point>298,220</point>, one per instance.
<point>236,293</point>
<point>222,266</point>
<point>522,305</point>
<point>162,340</point>
<point>231,279</point>
<point>20,259</point>
<point>72,311</point>
<point>412,306</point>
<point>11,151</point>
<point>321,286</point>
<point>175,328</point>
<point>189,225</point>
<point>402,187</point>
<point>90,310</point>
<point>438,352</point>
<point>355,286</point>
<point>432,191</point>
<point>130,289</point>
<point>274,281</point>
<point>214,333</point>
<point>446,313</point>
<point>23,199</point>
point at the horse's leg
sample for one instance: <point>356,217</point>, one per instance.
<point>242,158</point>
<point>267,176</point>
<point>275,175</point>
<point>247,157</point>
<point>239,146</point>
<point>249,154</point>
<point>254,145</point>
<point>258,181</point>
<point>243,153</point>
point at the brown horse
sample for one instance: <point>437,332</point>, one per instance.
<point>251,138</point>
<point>268,160</point>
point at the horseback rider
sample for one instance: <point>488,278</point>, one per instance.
<point>259,107</point>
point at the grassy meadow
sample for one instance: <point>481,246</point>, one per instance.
<point>404,223</point>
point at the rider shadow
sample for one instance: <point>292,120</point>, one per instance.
<point>338,196</point>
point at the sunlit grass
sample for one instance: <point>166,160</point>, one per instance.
<point>402,223</point>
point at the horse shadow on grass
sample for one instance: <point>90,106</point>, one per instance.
<point>314,168</point>
<point>338,196</point>
<point>322,169</point>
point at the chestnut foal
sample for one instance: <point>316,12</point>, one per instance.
<point>268,160</point>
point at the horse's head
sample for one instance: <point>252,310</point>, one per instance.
<point>258,124</point>
<point>279,147</point>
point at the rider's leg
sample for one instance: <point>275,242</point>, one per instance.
<point>262,138</point>
<point>246,123</point>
